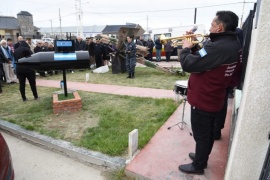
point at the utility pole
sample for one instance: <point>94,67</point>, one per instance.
<point>242,14</point>
<point>77,25</point>
<point>79,18</point>
<point>147,23</point>
<point>51,28</point>
<point>60,24</point>
<point>195,15</point>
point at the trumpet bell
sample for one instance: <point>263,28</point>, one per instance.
<point>163,39</point>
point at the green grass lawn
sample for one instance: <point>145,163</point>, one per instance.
<point>62,97</point>
<point>144,77</point>
<point>102,125</point>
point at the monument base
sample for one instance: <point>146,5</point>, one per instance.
<point>67,106</point>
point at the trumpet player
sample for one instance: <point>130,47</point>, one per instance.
<point>211,69</point>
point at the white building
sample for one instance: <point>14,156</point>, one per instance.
<point>53,32</point>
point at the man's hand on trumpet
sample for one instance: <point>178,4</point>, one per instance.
<point>187,44</point>
<point>188,41</point>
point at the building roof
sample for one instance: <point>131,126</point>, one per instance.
<point>8,22</point>
<point>24,13</point>
<point>108,29</point>
<point>114,29</point>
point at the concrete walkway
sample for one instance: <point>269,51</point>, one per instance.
<point>110,89</point>
<point>31,162</point>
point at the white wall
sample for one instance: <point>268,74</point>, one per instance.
<point>250,141</point>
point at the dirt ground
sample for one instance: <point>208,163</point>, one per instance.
<point>72,126</point>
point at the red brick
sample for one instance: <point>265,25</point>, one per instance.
<point>72,105</point>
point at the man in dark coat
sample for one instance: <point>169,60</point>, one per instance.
<point>39,48</point>
<point>150,45</point>
<point>91,51</point>
<point>130,57</point>
<point>211,69</point>
<point>98,51</point>
<point>1,75</point>
<point>158,49</point>
<point>20,38</point>
<point>80,44</point>
<point>138,41</point>
<point>23,72</point>
<point>107,49</point>
<point>90,47</point>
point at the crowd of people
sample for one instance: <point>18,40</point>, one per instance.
<point>99,54</point>
<point>150,44</point>
<point>7,73</point>
<point>10,73</point>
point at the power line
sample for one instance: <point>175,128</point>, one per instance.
<point>55,18</point>
<point>164,10</point>
<point>79,17</point>
<point>153,11</point>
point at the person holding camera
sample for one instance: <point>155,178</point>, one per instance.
<point>130,57</point>
<point>211,69</point>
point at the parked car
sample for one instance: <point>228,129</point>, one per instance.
<point>34,41</point>
<point>6,167</point>
<point>49,40</point>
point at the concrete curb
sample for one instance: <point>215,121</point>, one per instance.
<point>63,147</point>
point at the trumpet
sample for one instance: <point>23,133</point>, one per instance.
<point>176,41</point>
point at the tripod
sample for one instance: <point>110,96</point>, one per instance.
<point>182,124</point>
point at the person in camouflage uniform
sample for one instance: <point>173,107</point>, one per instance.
<point>130,57</point>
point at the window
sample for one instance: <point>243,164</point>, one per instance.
<point>146,37</point>
<point>165,34</point>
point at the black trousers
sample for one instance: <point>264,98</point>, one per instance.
<point>168,56</point>
<point>150,55</point>
<point>202,124</point>
<point>31,76</point>
<point>1,77</point>
<point>220,119</point>
<point>1,85</point>
<point>98,59</point>
<point>2,73</point>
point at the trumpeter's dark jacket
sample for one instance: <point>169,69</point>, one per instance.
<point>211,70</point>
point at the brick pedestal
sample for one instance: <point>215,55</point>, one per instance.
<point>70,105</point>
